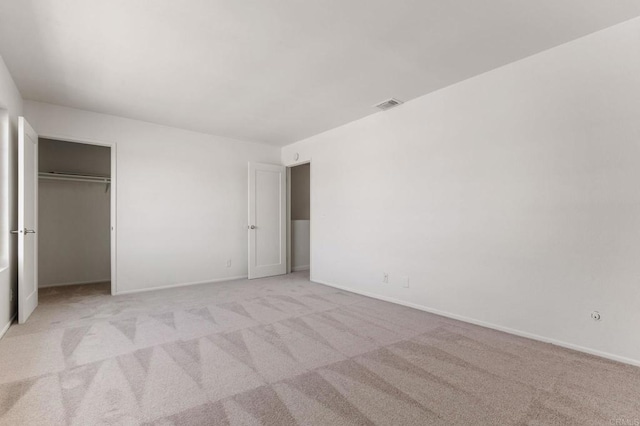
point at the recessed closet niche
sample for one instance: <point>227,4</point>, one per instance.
<point>300,217</point>
<point>73,213</point>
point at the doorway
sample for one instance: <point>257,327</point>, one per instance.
<point>299,223</point>
<point>76,197</point>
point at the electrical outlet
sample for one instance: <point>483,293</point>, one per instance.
<point>229,263</point>
<point>385,277</point>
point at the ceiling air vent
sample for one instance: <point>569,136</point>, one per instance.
<point>388,104</point>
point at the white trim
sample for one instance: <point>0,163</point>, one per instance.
<point>298,163</point>
<point>289,267</point>
<point>508,330</point>
<point>300,268</point>
<point>164,287</point>
<point>113,201</point>
<point>6,327</point>
<point>106,280</point>
<point>6,209</point>
<point>312,220</point>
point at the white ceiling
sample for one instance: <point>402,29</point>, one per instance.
<point>273,71</point>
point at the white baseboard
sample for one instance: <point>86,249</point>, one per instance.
<point>164,287</point>
<point>106,280</point>
<point>6,327</point>
<point>515,332</point>
<point>300,268</point>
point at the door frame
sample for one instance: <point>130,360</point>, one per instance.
<point>113,189</point>
<point>289,241</point>
<point>8,213</point>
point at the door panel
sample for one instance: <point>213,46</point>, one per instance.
<point>267,220</point>
<point>27,220</point>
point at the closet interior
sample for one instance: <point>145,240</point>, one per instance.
<point>74,214</point>
<point>300,217</point>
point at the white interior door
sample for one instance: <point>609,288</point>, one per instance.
<point>27,220</point>
<point>267,220</point>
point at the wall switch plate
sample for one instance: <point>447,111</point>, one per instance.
<point>229,263</point>
<point>385,277</point>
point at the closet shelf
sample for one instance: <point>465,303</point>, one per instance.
<point>75,177</point>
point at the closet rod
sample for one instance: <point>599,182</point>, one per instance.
<point>74,177</point>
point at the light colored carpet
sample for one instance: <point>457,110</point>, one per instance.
<point>285,351</point>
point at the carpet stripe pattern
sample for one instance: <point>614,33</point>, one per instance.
<point>285,351</point>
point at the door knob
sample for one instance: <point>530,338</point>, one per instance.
<point>252,227</point>
<point>15,232</point>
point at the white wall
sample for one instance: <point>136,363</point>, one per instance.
<point>300,245</point>
<point>74,217</point>
<point>181,196</point>
<point>10,109</point>
<point>510,199</point>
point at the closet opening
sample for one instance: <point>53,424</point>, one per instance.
<point>76,216</point>
<point>299,217</point>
